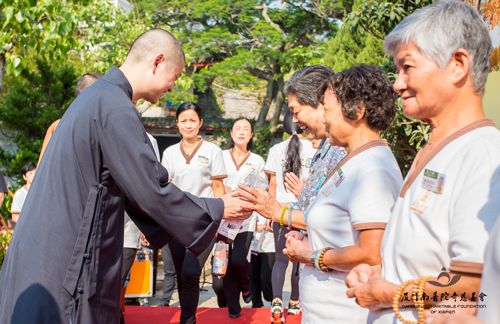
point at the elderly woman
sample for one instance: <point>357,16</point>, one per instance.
<point>301,90</point>
<point>346,221</point>
<point>442,53</point>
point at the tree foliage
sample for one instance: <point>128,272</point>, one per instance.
<point>4,244</point>
<point>347,49</point>
<point>489,10</point>
<point>495,60</point>
<point>260,40</point>
<point>378,17</point>
<point>42,29</point>
<point>30,104</point>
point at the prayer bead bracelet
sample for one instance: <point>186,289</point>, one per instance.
<point>395,301</point>
<point>319,260</point>
<point>418,288</point>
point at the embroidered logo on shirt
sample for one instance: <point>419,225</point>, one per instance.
<point>420,205</point>
<point>328,190</point>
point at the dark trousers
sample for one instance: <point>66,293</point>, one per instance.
<point>237,278</point>
<point>280,265</point>
<point>260,278</point>
<point>128,261</point>
<point>188,269</point>
<point>169,276</point>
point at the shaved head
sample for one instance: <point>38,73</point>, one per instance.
<point>153,42</point>
<point>85,81</point>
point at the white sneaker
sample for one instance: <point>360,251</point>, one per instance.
<point>277,312</point>
<point>294,308</point>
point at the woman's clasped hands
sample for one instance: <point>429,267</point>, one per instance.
<point>297,247</point>
<point>371,290</point>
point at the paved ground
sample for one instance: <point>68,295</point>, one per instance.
<point>207,295</point>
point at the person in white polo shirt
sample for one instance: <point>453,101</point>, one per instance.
<point>195,166</point>
<point>262,262</point>
<point>291,156</point>
<point>28,171</point>
<point>346,221</point>
<point>442,53</point>
<point>240,161</point>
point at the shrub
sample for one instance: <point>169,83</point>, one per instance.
<point>4,243</point>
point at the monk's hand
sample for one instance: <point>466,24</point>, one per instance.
<point>297,248</point>
<point>234,207</point>
<point>375,294</point>
<point>260,201</point>
<point>144,241</point>
<point>293,183</point>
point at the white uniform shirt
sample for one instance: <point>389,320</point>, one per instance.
<point>236,174</point>
<point>429,231</point>
<point>363,200</point>
<point>18,200</point>
<point>266,239</point>
<point>276,161</point>
<point>195,173</point>
<point>132,234</point>
<point>155,145</point>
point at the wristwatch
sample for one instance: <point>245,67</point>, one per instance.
<point>313,258</point>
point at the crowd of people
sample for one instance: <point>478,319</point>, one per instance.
<point>367,246</point>
<point>375,244</point>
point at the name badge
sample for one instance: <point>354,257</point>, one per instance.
<point>433,181</point>
<point>338,177</point>
<point>202,161</point>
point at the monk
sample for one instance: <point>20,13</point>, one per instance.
<point>64,261</point>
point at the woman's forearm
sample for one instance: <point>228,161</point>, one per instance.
<point>346,258</point>
<point>367,251</point>
<point>298,221</point>
<point>218,188</point>
<point>15,216</point>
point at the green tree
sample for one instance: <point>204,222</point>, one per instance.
<point>376,19</point>
<point>30,104</point>
<point>379,17</point>
<point>261,38</point>
<point>43,29</point>
<point>347,49</point>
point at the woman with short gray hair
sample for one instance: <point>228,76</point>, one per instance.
<point>449,201</point>
<point>301,90</point>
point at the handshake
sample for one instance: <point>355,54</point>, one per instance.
<point>240,204</point>
<point>251,196</point>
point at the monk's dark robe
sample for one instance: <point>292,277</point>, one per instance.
<point>64,262</point>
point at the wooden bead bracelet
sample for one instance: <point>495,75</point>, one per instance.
<point>319,260</point>
<point>418,289</point>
